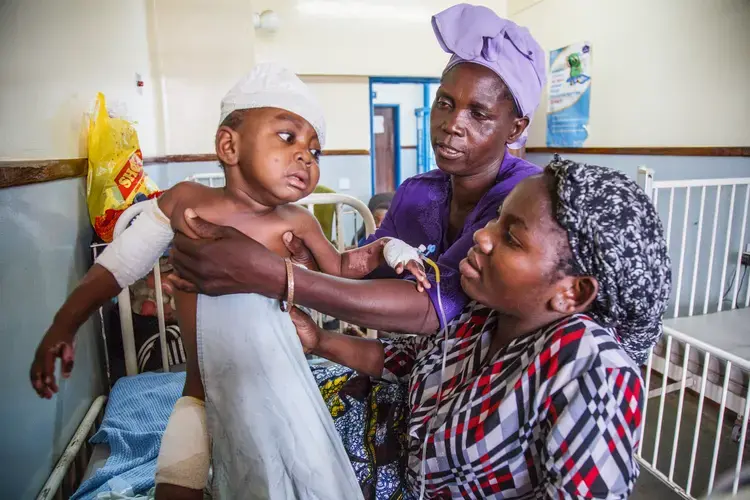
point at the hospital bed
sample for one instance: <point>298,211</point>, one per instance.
<point>130,401</point>
<point>698,374</point>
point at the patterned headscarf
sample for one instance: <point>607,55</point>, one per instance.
<point>616,236</point>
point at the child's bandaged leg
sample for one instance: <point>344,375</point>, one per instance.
<point>133,253</point>
<point>184,455</point>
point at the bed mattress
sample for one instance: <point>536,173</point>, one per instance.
<point>727,330</point>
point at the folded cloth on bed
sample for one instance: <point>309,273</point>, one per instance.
<point>134,421</point>
<point>272,435</point>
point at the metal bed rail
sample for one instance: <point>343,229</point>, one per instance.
<point>712,220</point>
<point>713,213</point>
<point>66,476</point>
<point>685,381</point>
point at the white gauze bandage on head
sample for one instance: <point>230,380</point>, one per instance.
<point>270,85</point>
<point>184,455</point>
<point>132,254</point>
<point>397,252</point>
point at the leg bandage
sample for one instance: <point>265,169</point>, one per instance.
<point>184,455</point>
<point>133,253</point>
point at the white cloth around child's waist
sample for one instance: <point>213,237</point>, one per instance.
<point>272,434</point>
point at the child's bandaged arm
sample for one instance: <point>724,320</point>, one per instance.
<point>352,264</point>
<point>115,268</point>
<point>134,252</point>
<point>120,264</point>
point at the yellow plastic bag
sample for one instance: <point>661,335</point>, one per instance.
<point>116,173</point>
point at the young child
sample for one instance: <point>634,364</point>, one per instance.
<point>269,143</point>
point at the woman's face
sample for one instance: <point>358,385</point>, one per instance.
<point>472,119</point>
<point>514,266</point>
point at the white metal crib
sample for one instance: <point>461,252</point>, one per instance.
<point>705,352</point>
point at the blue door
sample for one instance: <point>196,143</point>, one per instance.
<point>425,154</point>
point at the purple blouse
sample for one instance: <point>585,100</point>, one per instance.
<point>419,215</point>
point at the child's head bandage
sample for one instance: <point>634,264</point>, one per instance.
<point>270,85</point>
<point>132,254</point>
<point>184,455</point>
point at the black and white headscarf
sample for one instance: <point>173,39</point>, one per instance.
<point>616,236</point>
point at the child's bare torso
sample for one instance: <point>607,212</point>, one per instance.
<point>214,206</point>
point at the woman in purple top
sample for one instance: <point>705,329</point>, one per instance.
<point>487,95</point>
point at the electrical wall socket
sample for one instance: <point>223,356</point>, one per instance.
<point>745,261</point>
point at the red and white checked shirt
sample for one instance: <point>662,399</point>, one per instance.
<point>555,414</point>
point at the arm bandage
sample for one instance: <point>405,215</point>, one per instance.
<point>184,455</point>
<point>133,253</point>
<point>397,252</point>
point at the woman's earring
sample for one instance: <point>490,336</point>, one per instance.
<point>561,304</point>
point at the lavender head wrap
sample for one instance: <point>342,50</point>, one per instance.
<point>616,236</point>
<point>477,35</point>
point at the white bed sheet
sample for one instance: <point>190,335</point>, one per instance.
<point>99,456</point>
<point>727,330</point>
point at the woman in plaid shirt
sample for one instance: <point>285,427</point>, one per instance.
<point>541,395</point>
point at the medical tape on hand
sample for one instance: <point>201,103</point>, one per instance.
<point>133,253</point>
<point>184,455</point>
<point>398,252</point>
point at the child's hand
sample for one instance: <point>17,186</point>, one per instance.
<point>57,343</point>
<point>400,255</point>
<point>307,331</point>
<point>417,269</point>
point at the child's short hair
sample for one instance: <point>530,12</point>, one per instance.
<point>234,119</point>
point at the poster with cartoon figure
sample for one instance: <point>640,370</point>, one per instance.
<point>569,96</point>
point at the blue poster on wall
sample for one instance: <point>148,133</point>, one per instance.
<point>569,96</point>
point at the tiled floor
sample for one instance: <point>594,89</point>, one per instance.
<point>650,487</point>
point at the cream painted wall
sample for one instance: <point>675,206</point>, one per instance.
<point>666,73</point>
<point>516,6</point>
<point>55,57</point>
<point>345,103</point>
<point>200,49</point>
<point>354,37</point>
<point>357,37</point>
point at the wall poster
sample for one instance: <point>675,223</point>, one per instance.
<point>569,96</point>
